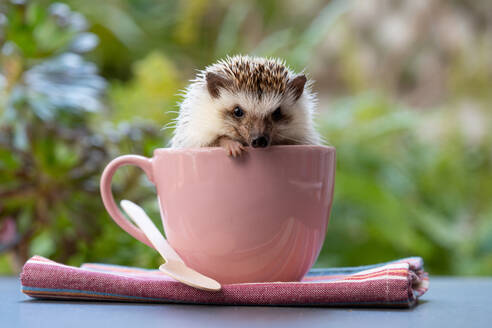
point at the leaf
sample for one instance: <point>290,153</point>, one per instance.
<point>66,82</point>
<point>84,42</point>
<point>43,244</point>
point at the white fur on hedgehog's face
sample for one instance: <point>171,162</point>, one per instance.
<point>257,122</point>
<point>271,119</point>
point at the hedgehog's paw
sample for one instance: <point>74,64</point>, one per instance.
<point>232,147</point>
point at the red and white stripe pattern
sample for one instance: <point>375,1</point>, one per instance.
<point>393,284</point>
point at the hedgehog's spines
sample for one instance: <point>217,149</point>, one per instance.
<point>259,84</point>
<point>252,74</point>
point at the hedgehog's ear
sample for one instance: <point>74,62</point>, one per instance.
<point>214,83</point>
<point>296,85</point>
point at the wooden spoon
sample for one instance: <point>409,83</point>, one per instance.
<point>174,266</point>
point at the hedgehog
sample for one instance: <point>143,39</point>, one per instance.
<point>246,101</point>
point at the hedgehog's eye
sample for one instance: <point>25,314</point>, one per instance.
<point>238,112</point>
<point>277,115</point>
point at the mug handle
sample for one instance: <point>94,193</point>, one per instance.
<point>107,196</point>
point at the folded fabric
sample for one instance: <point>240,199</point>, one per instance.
<point>393,284</point>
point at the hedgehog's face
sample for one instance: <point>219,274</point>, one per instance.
<point>259,119</point>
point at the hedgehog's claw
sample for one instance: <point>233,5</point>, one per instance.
<point>232,147</point>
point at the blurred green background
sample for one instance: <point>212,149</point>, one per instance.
<point>405,96</point>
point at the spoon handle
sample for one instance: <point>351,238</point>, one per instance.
<point>138,215</point>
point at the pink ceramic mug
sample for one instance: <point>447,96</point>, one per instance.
<point>261,217</point>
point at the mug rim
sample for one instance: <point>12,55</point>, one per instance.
<point>220,149</point>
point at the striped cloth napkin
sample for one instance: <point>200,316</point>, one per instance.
<point>393,284</point>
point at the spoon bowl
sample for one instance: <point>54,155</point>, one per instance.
<point>174,266</point>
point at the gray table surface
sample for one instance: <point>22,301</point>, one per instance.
<point>450,302</point>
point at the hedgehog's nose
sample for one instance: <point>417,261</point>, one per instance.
<point>260,142</point>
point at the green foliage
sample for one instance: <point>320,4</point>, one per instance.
<point>84,81</point>
<point>399,195</point>
<point>51,157</point>
<point>152,90</point>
